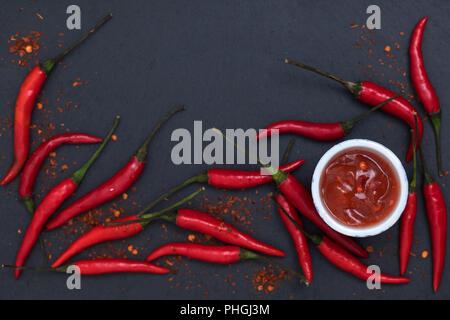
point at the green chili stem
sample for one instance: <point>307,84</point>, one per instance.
<point>48,65</point>
<point>80,173</point>
<point>353,87</point>
<point>59,269</point>
<point>348,125</point>
<point>436,122</point>
<point>147,218</point>
<point>200,178</point>
<point>413,183</point>
<point>316,239</point>
<point>428,179</point>
<point>141,154</point>
<point>287,152</point>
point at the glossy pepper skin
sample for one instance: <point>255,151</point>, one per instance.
<point>204,223</point>
<point>298,237</point>
<point>345,261</point>
<point>240,179</point>
<point>105,266</point>
<point>53,200</point>
<point>301,198</point>
<point>319,131</point>
<point>407,231</point>
<point>190,219</point>
<point>422,84</point>
<point>28,93</point>
<point>114,186</point>
<point>49,204</point>
<point>110,189</point>
<point>373,95</point>
<point>313,130</point>
<point>214,254</point>
<point>437,218</point>
<point>100,234</point>
<point>340,257</point>
<point>34,163</point>
<point>423,87</point>
<point>29,90</point>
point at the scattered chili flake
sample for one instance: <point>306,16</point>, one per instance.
<point>424,254</point>
<point>40,16</point>
<point>114,137</point>
<point>191,238</point>
<point>369,249</point>
<point>124,196</point>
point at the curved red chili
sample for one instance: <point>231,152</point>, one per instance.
<point>318,131</point>
<point>423,87</point>
<point>52,201</point>
<point>118,229</point>
<point>225,178</point>
<point>103,266</point>
<point>300,241</point>
<point>437,219</point>
<point>100,234</point>
<point>34,163</point>
<point>407,231</point>
<point>204,223</point>
<point>345,261</point>
<point>301,198</point>
<point>407,220</point>
<point>29,90</point>
<point>215,254</point>
<point>340,257</point>
<point>373,94</point>
<point>240,179</point>
<point>184,218</point>
<point>114,186</point>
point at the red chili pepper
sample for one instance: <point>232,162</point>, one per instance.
<point>300,241</point>
<point>342,258</point>
<point>318,131</point>
<point>407,220</point>
<point>184,218</point>
<point>226,178</point>
<point>52,201</point>
<point>423,87</point>
<point>301,198</point>
<point>373,94</point>
<point>437,218</point>
<point>345,261</point>
<point>29,90</point>
<point>215,254</point>
<point>104,266</point>
<point>118,230</point>
<point>114,186</point>
<point>100,234</point>
<point>207,224</point>
<point>34,163</point>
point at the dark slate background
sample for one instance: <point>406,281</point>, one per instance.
<point>223,59</point>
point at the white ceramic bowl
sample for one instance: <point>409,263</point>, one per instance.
<point>397,167</point>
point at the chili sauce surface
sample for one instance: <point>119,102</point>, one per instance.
<point>359,188</point>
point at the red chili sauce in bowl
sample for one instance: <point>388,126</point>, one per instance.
<point>359,188</point>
